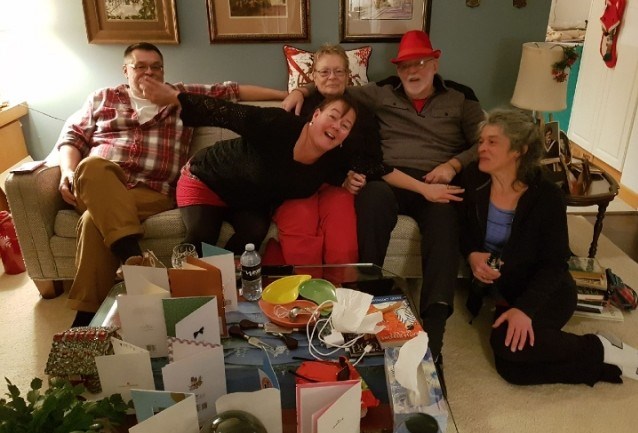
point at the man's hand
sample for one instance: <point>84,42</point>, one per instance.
<point>158,93</point>
<point>354,182</point>
<point>294,100</point>
<point>439,193</point>
<point>442,173</point>
<point>480,269</point>
<point>519,329</point>
<point>66,187</point>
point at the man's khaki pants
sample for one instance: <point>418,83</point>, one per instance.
<point>110,211</point>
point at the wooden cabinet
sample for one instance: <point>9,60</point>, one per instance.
<point>13,149</point>
<point>605,100</point>
<point>12,145</point>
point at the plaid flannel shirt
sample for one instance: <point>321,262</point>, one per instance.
<point>151,153</point>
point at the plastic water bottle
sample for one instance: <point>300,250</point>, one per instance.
<point>251,273</point>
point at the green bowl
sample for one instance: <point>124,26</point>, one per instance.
<point>318,290</point>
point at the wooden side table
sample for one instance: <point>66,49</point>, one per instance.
<point>602,191</point>
<point>12,145</point>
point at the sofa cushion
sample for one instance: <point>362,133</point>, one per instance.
<point>299,63</point>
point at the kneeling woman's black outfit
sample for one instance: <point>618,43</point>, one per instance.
<point>534,279</point>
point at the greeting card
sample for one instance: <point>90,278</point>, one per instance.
<point>329,407</point>
<point>129,367</point>
<point>164,412</point>
<point>225,261</point>
<point>202,374</point>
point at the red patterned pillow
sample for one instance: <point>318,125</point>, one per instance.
<point>300,64</point>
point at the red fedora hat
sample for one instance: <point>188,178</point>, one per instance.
<point>415,44</point>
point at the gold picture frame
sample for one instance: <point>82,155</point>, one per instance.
<point>258,20</point>
<point>124,21</point>
<point>382,20</point>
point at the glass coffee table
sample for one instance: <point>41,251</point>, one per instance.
<point>363,277</point>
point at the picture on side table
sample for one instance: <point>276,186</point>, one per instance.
<point>119,21</point>
<point>382,20</point>
<point>257,20</point>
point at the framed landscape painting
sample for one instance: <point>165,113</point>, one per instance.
<point>257,20</point>
<point>127,21</point>
<point>382,20</point>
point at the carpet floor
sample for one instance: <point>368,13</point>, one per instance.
<point>480,401</point>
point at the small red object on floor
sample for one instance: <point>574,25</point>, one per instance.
<point>9,247</point>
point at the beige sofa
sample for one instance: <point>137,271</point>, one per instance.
<point>46,225</point>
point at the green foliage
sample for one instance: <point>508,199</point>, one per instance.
<point>59,409</point>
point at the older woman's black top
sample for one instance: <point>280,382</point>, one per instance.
<point>256,170</point>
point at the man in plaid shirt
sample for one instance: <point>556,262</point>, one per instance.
<point>120,157</point>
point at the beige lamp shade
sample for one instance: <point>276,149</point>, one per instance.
<point>536,88</point>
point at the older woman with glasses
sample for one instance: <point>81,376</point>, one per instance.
<point>323,227</point>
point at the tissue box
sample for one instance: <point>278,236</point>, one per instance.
<point>400,403</point>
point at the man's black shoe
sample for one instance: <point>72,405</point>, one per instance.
<point>82,318</point>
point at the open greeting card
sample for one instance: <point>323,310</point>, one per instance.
<point>224,260</point>
<point>192,318</point>
<point>329,407</point>
<point>201,373</point>
<point>129,367</point>
<point>164,412</point>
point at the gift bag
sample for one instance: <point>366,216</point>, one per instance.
<point>620,294</point>
<point>10,252</point>
<point>73,353</point>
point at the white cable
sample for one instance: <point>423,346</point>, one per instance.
<point>322,324</point>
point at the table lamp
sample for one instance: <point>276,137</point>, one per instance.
<point>536,89</point>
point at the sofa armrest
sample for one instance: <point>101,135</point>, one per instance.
<point>34,201</point>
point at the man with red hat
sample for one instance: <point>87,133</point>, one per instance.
<point>428,130</point>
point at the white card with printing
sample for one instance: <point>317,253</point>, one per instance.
<point>143,324</point>
<point>180,417</point>
<point>144,280</point>
<point>329,407</point>
<point>223,260</point>
<point>201,325</point>
<point>202,374</point>
<point>123,372</point>
<point>180,349</point>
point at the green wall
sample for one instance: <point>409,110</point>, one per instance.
<point>481,48</point>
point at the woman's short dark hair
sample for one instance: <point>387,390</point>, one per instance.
<point>145,46</point>
<point>524,136</point>
<point>348,103</point>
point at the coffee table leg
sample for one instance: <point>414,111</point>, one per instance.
<point>598,228</point>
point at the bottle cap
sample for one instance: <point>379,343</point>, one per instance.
<point>250,247</point>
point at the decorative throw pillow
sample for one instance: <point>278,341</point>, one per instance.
<point>300,64</point>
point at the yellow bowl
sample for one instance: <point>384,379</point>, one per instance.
<point>283,290</point>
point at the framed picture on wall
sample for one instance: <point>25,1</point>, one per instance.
<point>381,20</point>
<point>120,21</point>
<point>257,20</point>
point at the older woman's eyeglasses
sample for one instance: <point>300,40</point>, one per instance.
<point>144,68</point>
<point>325,73</point>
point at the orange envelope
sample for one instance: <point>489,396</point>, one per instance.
<point>199,278</point>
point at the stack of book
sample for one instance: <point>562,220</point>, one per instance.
<point>591,284</point>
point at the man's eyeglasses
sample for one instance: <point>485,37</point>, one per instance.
<point>325,73</point>
<point>416,64</point>
<point>144,68</point>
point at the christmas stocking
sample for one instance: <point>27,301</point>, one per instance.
<point>611,19</point>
